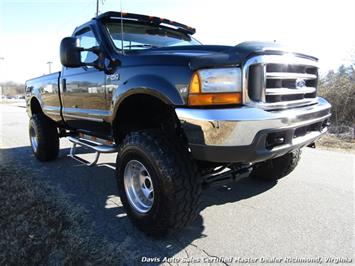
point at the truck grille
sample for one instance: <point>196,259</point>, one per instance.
<point>278,82</point>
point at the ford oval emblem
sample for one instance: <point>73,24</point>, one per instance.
<point>300,83</point>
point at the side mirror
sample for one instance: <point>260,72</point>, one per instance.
<point>70,52</point>
<point>70,56</point>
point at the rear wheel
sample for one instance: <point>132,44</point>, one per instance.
<point>158,183</point>
<point>276,168</point>
<point>43,137</point>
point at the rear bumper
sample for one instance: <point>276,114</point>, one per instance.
<point>249,134</point>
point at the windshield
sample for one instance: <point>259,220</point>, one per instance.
<point>140,36</point>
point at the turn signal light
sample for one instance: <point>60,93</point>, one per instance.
<point>195,84</point>
<point>214,99</point>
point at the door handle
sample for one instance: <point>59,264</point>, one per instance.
<point>64,85</point>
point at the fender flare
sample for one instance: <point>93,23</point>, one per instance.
<point>29,104</point>
<point>150,85</point>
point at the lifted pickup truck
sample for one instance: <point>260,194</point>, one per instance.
<point>180,115</point>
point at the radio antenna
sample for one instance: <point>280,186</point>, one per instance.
<point>121,28</point>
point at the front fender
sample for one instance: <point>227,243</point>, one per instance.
<point>148,84</point>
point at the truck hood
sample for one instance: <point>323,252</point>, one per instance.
<point>238,54</point>
<point>202,56</point>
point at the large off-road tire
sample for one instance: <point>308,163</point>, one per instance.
<point>43,137</point>
<point>159,184</point>
<point>276,168</point>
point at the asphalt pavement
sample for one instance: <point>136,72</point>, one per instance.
<point>307,216</point>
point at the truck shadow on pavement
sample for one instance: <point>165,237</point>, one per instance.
<point>94,188</point>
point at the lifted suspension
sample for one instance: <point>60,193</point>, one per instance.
<point>226,174</point>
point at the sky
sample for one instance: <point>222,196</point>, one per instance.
<point>31,31</point>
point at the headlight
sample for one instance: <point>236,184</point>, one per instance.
<point>215,86</point>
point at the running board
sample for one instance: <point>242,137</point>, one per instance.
<point>96,146</point>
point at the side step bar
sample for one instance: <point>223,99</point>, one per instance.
<point>95,145</point>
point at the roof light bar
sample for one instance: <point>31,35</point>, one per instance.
<point>147,20</point>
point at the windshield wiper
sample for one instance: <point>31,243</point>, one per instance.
<point>140,46</point>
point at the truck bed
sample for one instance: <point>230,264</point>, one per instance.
<point>46,89</point>
<point>44,78</point>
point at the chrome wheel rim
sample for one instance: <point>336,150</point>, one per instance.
<point>138,186</point>
<point>33,138</point>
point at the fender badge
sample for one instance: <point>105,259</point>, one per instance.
<point>113,77</point>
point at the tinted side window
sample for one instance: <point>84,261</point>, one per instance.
<point>87,40</point>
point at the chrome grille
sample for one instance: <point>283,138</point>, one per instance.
<point>280,82</point>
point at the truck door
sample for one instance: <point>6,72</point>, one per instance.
<point>83,91</point>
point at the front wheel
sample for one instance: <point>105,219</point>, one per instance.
<point>276,168</point>
<point>158,183</point>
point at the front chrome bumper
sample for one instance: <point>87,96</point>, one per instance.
<point>244,134</point>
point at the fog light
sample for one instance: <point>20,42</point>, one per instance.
<point>274,139</point>
<point>325,123</point>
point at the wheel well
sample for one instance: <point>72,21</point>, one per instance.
<point>143,111</point>
<point>35,106</point>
